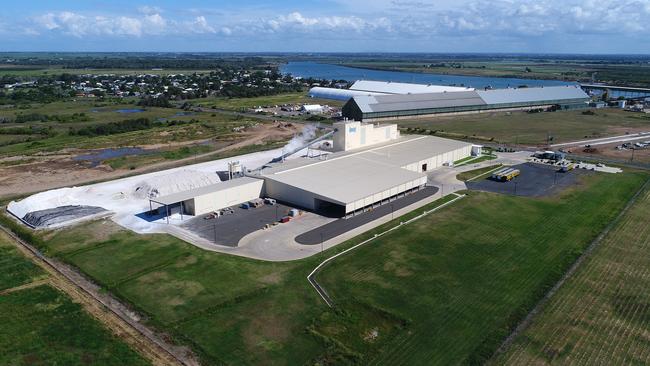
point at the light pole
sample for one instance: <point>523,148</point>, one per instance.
<point>555,178</point>
<point>515,188</point>
<point>392,212</point>
<point>321,242</point>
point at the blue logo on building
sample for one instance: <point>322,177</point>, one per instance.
<point>352,129</point>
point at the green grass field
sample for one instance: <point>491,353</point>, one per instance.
<point>15,270</point>
<point>527,128</point>
<point>42,326</point>
<point>463,278</point>
<point>206,126</point>
<point>439,291</point>
<point>473,174</point>
<point>600,315</point>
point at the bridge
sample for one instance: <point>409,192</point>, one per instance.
<point>617,91</point>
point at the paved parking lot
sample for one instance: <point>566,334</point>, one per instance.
<point>229,229</point>
<point>341,226</point>
<point>536,180</point>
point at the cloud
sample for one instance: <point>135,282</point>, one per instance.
<point>149,10</point>
<point>296,23</point>
<point>152,23</point>
<point>200,25</point>
<point>405,20</point>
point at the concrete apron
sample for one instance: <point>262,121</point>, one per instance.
<point>285,248</point>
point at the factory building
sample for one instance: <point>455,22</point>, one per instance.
<point>210,198</point>
<point>350,181</point>
<point>337,94</point>
<point>373,88</point>
<point>371,165</point>
<point>355,135</point>
<point>381,107</point>
<point>389,87</point>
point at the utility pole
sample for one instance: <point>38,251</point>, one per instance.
<point>215,233</point>
<point>515,188</point>
<point>392,212</point>
<point>321,242</point>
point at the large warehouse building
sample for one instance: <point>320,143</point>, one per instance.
<point>349,181</point>
<point>371,165</point>
<point>380,107</point>
<point>372,88</point>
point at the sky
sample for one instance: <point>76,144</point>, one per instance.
<point>491,26</point>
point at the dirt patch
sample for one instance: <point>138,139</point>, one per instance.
<point>272,278</point>
<point>169,291</point>
<point>46,174</point>
<point>609,151</point>
<point>187,261</point>
<point>266,331</point>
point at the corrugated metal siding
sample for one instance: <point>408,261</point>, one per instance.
<point>420,104</point>
<point>425,101</point>
<point>403,88</point>
<point>527,95</point>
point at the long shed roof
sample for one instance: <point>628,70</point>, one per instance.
<point>387,103</point>
<point>346,177</point>
<point>390,87</point>
<point>526,95</point>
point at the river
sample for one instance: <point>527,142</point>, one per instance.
<point>336,72</point>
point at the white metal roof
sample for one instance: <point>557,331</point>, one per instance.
<point>337,94</point>
<point>418,101</point>
<point>201,191</point>
<point>346,177</point>
<point>526,95</point>
<point>390,87</point>
<point>384,103</point>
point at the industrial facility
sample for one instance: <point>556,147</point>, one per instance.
<point>369,165</point>
<point>370,108</point>
<point>372,88</point>
<point>347,182</point>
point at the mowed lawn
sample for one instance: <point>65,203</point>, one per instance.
<point>463,278</point>
<point>601,315</point>
<point>443,290</point>
<point>15,270</point>
<point>534,128</point>
<point>41,326</point>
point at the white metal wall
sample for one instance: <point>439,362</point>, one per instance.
<point>439,160</point>
<point>354,135</point>
<point>288,193</point>
<point>380,196</point>
<point>225,198</point>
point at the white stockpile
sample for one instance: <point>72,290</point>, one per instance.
<point>128,197</point>
<point>173,182</point>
